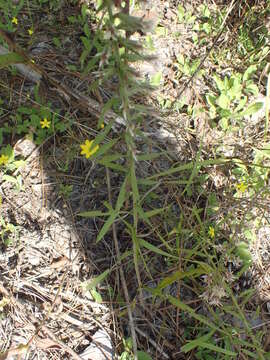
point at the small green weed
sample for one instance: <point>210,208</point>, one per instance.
<point>229,105</point>
<point>65,191</point>
<point>38,123</point>
<point>186,66</point>
<point>8,232</point>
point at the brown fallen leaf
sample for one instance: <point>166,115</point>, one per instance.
<point>59,263</point>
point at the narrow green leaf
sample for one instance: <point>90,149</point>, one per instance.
<point>155,249</point>
<point>217,349</point>
<point>253,354</point>
<point>11,59</point>
<point>154,212</point>
<point>189,166</point>
<point>104,148</point>
<point>147,182</point>
<point>96,296</point>
<point>96,280</point>
<point>142,215</point>
<point>86,43</point>
<point>151,156</point>
<point>197,342</point>
<point>112,166</point>
<point>122,195</point>
<point>178,275</point>
<point>92,214</point>
<point>106,227</point>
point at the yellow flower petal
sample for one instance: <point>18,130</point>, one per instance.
<point>88,149</point>
<point>30,32</point>
<point>14,20</point>
<point>45,123</point>
<point>211,232</point>
<point>241,187</point>
<point>3,159</point>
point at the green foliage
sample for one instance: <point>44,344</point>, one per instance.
<point>186,66</point>
<point>8,232</point>
<point>30,121</point>
<point>230,102</point>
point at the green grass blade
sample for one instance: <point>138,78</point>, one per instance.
<point>112,165</point>
<point>122,195</point>
<point>217,349</point>
<point>114,213</point>
<point>179,275</point>
<point>106,227</point>
<point>189,166</point>
<point>92,214</point>
<point>155,249</point>
<point>197,342</point>
<point>154,212</point>
<point>96,280</point>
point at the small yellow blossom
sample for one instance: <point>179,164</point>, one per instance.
<point>32,61</point>
<point>3,159</point>
<point>102,126</point>
<point>45,123</point>
<point>211,232</point>
<point>14,20</point>
<point>30,32</point>
<point>88,149</point>
<point>241,187</point>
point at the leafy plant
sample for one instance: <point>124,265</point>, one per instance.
<point>187,67</point>
<point>7,232</point>
<point>229,105</point>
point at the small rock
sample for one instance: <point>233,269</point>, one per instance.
<point>101,347</point>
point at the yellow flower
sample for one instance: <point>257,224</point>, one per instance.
<point>102,126</point>
<point>211,232</point>
<point>30,31</point>
<point>3,159</point>
<point>88,149</point>
<point>241,187</point>
<point>45,123</point>
<point>14,20</point>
